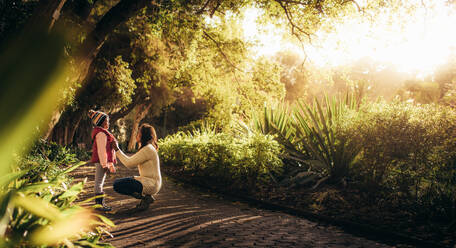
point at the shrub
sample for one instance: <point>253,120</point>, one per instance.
<point>53,152</point>
<point>399,153</point>
<point>238,162</point>
<point>407,150</point>
<point>47,159</point>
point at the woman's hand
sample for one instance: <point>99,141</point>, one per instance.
<point>115,145</point>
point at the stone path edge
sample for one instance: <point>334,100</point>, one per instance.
<point>371,232</point>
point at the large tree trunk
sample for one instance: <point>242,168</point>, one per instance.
<point>89,49</point>
<point>165,119</point>
<point>134,132</point>
<point>51,124</point>
<point>140,112</point>
<point>73,127</point>
<point>64,131</point>
<point>118,14</point>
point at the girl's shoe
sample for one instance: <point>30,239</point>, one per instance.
<point>104,207</point>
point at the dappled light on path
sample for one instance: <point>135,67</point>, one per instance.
<point>183,216</point>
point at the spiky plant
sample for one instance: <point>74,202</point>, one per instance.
<point>308,134</point>
<point>315,127</point>
<point>278,121</point>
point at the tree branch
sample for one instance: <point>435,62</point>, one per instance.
<point>354,2</point>
<point>200,11</point>
<point>45,14</point>
<point>221,51</point>
<point>290,19</point>
<point>215,8</point>
<point>116,15</point>
<point>123,111</point>
<point>206,4</point>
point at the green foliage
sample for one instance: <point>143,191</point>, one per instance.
<point>48,159</point>
<point>423,92</point>
<point>116,75</point>
<point>54,152</point>
<point>400,153</point>
<point>407,149</point>
<point>235,162</point>
<point>277,121</point>
<point>28,92</point>
<point>263,86</point>
<point>39,206</point>
<point>294,75</point>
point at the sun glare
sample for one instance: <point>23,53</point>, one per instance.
<point>415,44</point>
<point>268,39</point>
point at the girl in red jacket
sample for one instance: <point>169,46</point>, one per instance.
<point>103,155</point>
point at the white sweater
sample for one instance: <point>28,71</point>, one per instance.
<point>148,165</point>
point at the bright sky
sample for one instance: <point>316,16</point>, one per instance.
<point>416,43</point>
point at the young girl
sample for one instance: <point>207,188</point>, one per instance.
<point>103,155</point>
<point>149,181</point>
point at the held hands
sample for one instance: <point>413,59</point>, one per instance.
<point>115,146</point>
<point>112,168</point>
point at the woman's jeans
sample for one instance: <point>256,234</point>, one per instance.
<point>127,186</point>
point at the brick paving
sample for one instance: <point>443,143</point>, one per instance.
<point>182,216</point>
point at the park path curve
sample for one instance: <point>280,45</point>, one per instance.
<point>183,216</point>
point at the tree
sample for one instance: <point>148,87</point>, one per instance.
<point>303,18</point>
<point>293,75</point>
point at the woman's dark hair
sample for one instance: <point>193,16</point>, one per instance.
<point>148,135</point>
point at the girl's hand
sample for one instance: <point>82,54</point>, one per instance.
<point>112,169</point>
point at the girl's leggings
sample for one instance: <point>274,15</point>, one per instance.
<point>100,176</point>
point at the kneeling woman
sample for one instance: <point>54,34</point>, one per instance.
<point>149,181</point>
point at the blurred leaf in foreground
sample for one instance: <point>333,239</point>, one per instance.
<point>31,74</point>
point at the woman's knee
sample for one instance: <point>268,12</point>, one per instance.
<point>127,186</point>
<point>117,185</point>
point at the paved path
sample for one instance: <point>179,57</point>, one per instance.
<point>185,217</point>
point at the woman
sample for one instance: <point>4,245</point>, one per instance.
<point>149,181</point>
<point>103,155</point>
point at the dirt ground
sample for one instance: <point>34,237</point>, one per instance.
<point>184,216</point>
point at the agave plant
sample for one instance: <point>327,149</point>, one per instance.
<point>308,133</point>
<point>278,121</point>
<point>315,127</point>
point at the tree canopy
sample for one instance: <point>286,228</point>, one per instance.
<point>135,58</point>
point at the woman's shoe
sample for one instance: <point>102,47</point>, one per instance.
<point>137,195</point>
<point>145,202</point>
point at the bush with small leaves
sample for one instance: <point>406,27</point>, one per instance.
<point>236,162</point>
